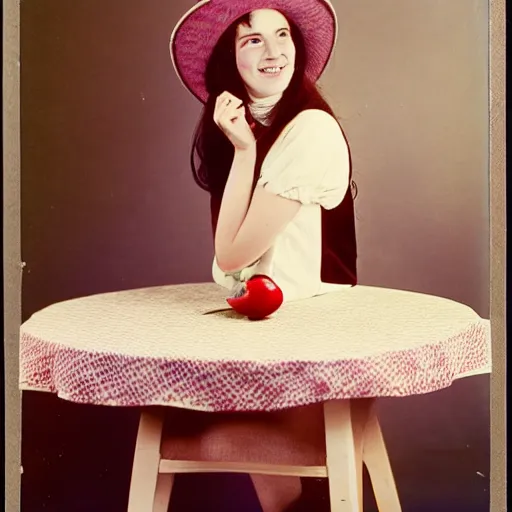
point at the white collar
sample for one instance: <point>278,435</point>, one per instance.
<point>261,107</point>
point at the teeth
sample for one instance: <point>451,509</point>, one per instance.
<point>271,70</point>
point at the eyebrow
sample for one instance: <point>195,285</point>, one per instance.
<point>252,34</point>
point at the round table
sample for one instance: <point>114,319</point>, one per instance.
<point>179,346</point>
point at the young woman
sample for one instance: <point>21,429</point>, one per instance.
<point>271,152</point>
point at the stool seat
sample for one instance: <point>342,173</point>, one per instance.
<point>294,437</point>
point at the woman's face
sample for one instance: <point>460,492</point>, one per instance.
<point>265,54</point>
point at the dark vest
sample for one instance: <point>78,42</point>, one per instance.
<point>339,247</point>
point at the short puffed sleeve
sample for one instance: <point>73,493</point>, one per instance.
<point>309,162</point>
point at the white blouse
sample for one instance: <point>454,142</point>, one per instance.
<point>309,163</point>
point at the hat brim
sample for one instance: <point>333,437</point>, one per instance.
<point>198,31</point>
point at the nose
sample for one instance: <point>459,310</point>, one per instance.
<point>273,50</point>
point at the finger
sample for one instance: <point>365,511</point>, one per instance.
<point>236,102</point>
<point>223,98</point>
<point>229,99</point>
<point>232,108</point>
<point>239,112</point>
<point>220,101</point>
<point>229,106</point>
<point>220,113</point>
<point>232,114</point>
<point>228,110</point>
<point>223,95</point>
<point>225,102</point>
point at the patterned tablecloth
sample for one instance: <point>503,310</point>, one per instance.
<point>165,346</point>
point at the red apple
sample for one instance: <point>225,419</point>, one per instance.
<point>260,298</point>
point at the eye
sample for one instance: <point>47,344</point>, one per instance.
<point>253,41</point>
<point>283,33</point>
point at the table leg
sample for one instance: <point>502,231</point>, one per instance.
<point>163,492</point>
<point>341,457</point>
<point>360,412</point>
<point>376,459</point>
<point>276,493</point>
<point>146,462</point>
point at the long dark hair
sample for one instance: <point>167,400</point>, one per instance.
<point>211,146</point>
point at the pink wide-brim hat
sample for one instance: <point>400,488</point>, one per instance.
<point>197,32</point>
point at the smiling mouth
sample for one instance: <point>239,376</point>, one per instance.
<point>271,70</point>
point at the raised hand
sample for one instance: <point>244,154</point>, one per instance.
<point>229,116</point>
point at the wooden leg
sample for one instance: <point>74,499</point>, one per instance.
<point>376,459</point>
<point>163,492</point>
<point>341,457</point>
<point>146,462</point>
<point>276,493</point>
<point>360,412</point>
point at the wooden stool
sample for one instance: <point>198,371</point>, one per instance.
<point>299,442</point>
